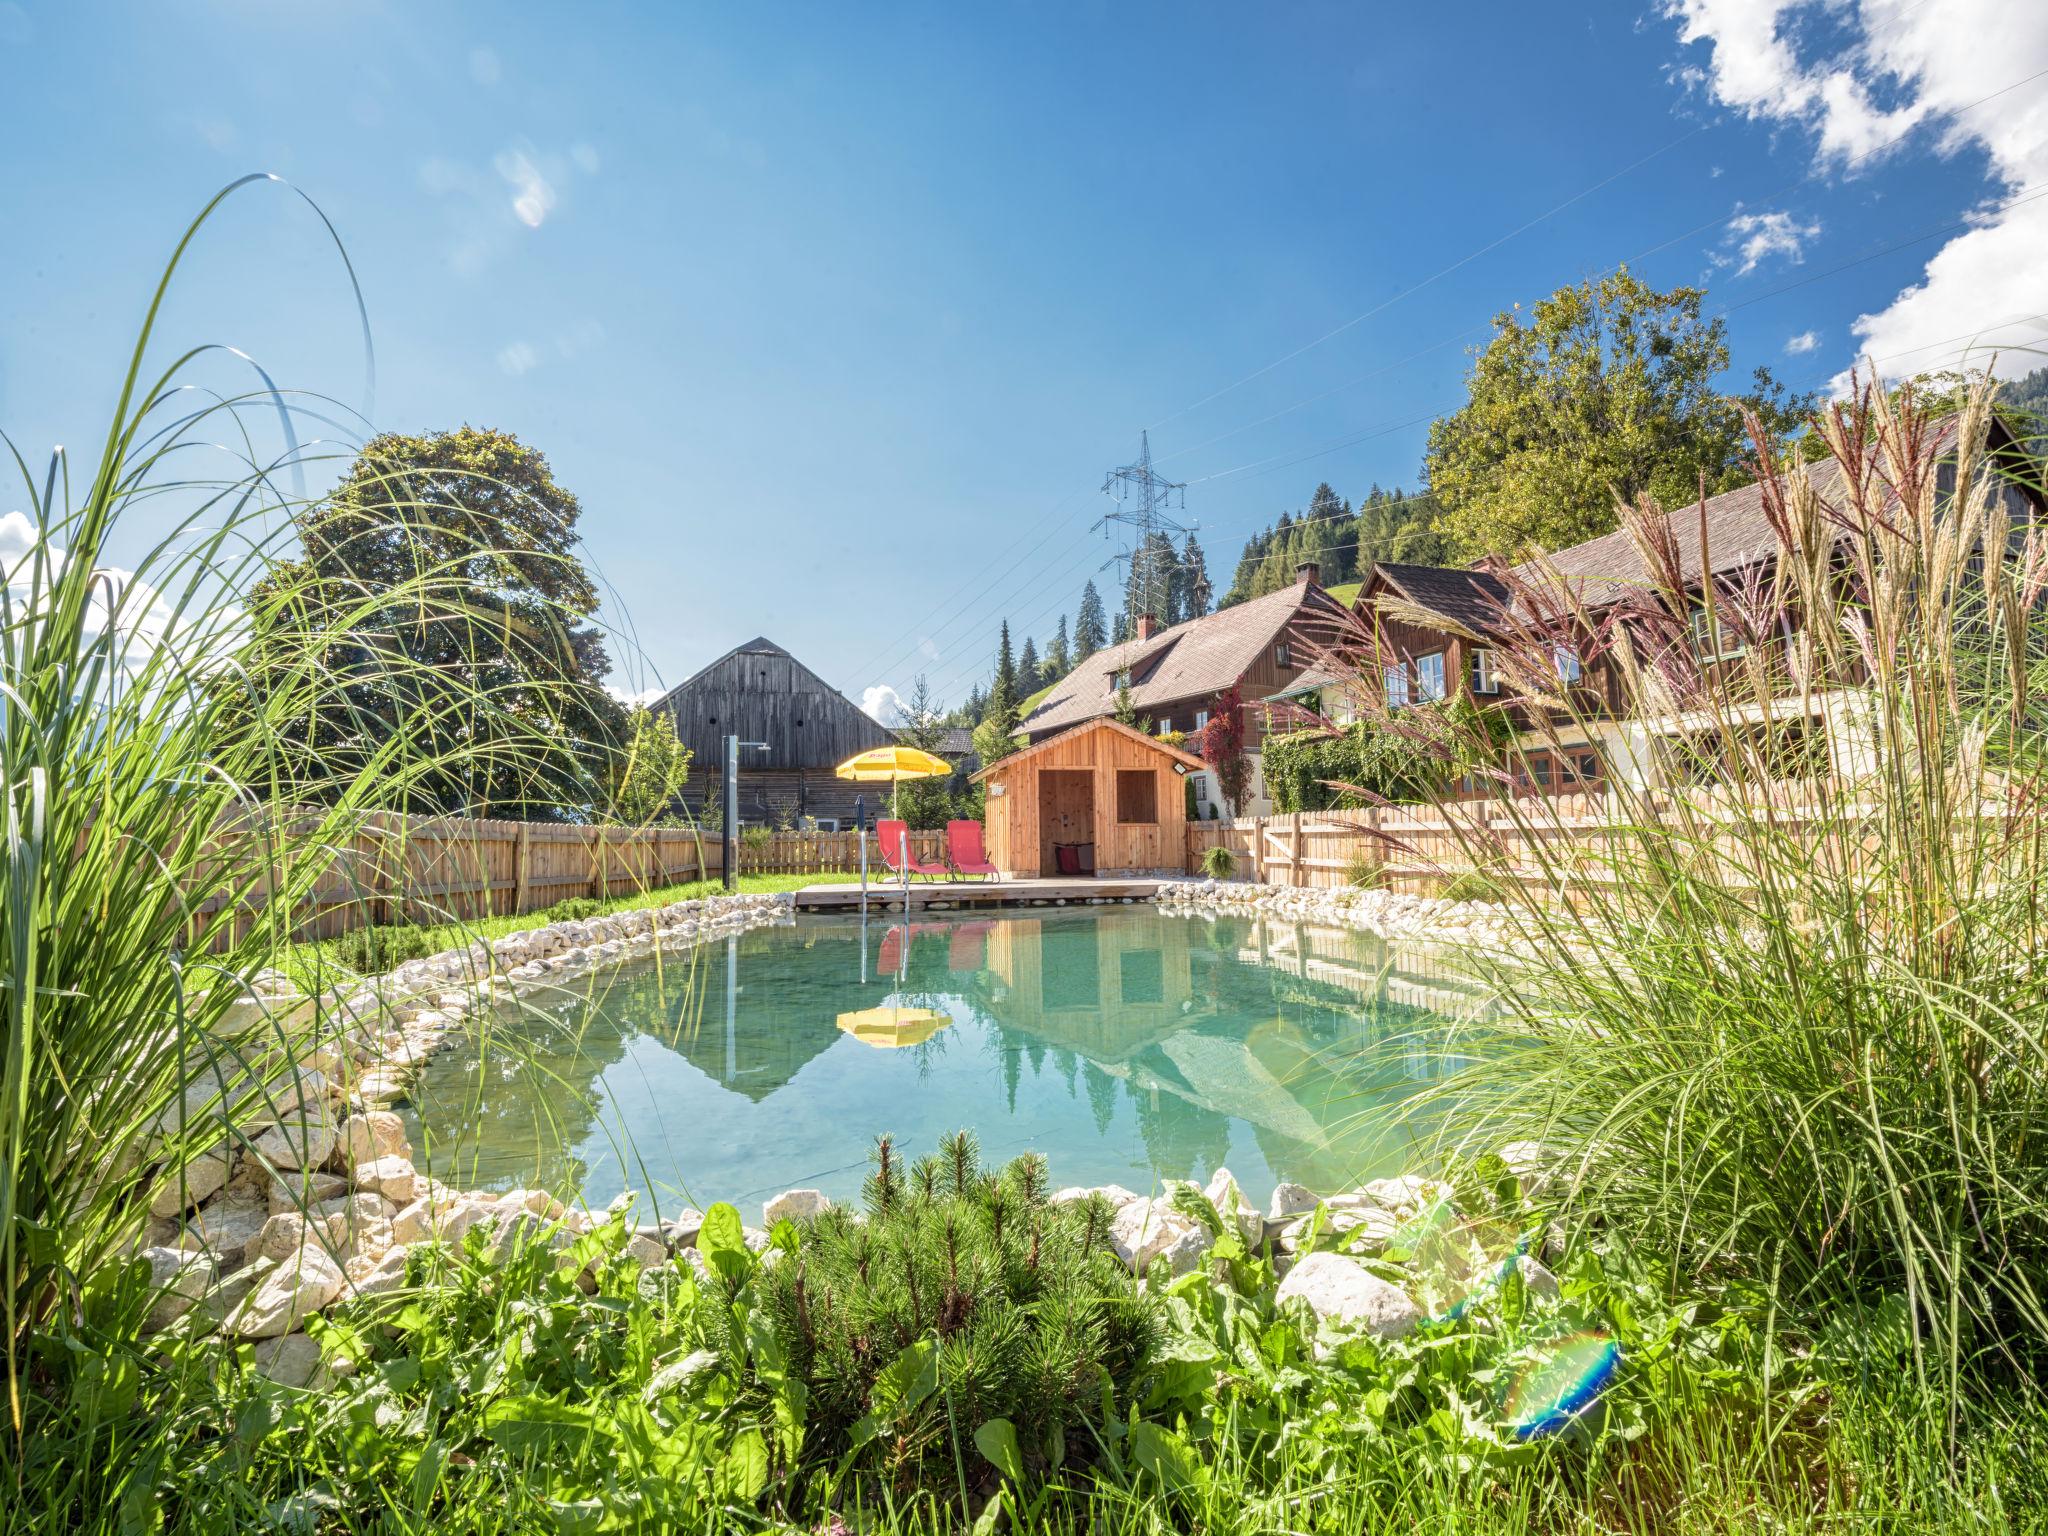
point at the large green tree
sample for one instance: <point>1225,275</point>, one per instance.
<point>443,576</point>
<point>1091,628</point>
<point>643,779</point>
<point>1606,390</point>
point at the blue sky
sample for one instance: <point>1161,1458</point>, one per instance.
<point>834,316</point>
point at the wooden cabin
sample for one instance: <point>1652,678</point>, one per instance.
<point>1109,792</point>
<point>759,692</point>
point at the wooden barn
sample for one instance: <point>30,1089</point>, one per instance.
<point>759,692</point>
<point>1111,797</point>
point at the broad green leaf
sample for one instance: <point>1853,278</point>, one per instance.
<point>997,1440</point>
<point>906,1381</point>
<point>678,1376</point>
<point>723,1242</point>
<point>743,1470</point>
<point>985,1522</point>
<point>540,1423</point>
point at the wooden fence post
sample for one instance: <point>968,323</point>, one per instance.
<point>596,864</point>
<point>522,869</point>
<point>1296,852</point>
<point>1259,850</point>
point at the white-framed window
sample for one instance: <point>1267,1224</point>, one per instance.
<point>1484,678</point>
<point>1429,677</point>
<point>1714,639</point>
<point>1566,659</point>
<point>1201,718</point>
<point>1282,657</point>
<point>1396,684</point>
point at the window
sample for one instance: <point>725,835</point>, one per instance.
<point>1201,718</point>
<point>1484,678</point>
<point>1282,657</point>
<point>1715,639</point>
<point>1429,677</point>
<point>1566,659</point>
<point>1397,685</point>
<point>1137,796</point>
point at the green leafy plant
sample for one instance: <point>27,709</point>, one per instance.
<point>371,950</point>
<point>1219,863</point>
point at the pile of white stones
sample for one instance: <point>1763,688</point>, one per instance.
<point>307,1193</point>
<point>1390,915</point>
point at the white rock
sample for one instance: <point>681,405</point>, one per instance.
<point>1222,1192</point>
<point>794,1205</point>
<point>1345,1291</point>
<point>291,1360</point>
<point>1145,1230</point>
<point>304,1138</point>
<point>1535,1166</point>
<point>646,1251</point>
<point>292,1292</point>
<point>179,1280</point>
<point>392,1177</point>
<point>369,1276</point>
<point>303,1190</point>
<point>1289,1200</point>
<point>286,1235</point>
<point>1539,1281</point>
<point>227,1227</point>
<point>1340,1222</point>
<point>197,1179</point>
<point>372,1134</point>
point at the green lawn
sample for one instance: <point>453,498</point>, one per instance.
<point>1346,593</point>
<point>324,957</point>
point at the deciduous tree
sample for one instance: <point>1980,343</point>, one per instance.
<point>1606,390</point>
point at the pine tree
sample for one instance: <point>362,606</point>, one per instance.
<point>1002,694</point>
<point>1196,594</point>
<point>1149,586</point>
<point>1028,681</point>
<point>1057,661</point>
<point>1090,631</point>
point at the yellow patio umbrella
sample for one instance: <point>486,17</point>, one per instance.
<point>891,1028</point>
<point>891,766</point>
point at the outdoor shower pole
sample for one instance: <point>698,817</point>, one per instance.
<point>729,841</point>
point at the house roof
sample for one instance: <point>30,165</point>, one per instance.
<point>1191,659</point>
<point>1099,723</point>
<point>954,741</point>
<point>1469,599</point>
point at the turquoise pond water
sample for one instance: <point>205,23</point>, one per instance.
<point>1126,1044</point>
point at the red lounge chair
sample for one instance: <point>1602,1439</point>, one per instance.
<point>967,949</point>
<point>964,851</point>
<point>896,854</point>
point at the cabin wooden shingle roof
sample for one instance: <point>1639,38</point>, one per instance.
<point>1192,659</point>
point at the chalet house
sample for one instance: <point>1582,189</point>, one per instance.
<point>759,692</point>
<point>1431,633</point>
<point>1177,675</point>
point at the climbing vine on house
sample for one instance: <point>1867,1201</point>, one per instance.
<point>1303,767</point>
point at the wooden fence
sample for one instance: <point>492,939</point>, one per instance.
<point>1411,845</point>
<point>446,868</point>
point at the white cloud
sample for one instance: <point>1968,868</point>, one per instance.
<point>1757,235</point>
<point>517,358</point>
<point>885,704</point>
<point>118,599</point>
<point>533,195</point>
<point>634,696</point>
<point>1803,343</point>
<point>1952,66</point>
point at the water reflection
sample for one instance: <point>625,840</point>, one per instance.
<point>1126,1044</point>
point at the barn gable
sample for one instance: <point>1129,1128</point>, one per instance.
<point>760,692</point>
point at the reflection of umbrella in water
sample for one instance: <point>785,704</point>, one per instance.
<point>893,1027</point>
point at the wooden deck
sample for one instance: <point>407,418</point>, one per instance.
<point>927,894</point>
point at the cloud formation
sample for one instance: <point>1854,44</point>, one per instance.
<point>1959,69</point>
<point>1755,236</point>
<point>885,704</point>
<point>1803,343</point>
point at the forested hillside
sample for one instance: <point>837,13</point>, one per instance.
<point>1343,541</point>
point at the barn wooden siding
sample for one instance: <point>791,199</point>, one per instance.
<point>759,692</point>
<point>1065,791</point>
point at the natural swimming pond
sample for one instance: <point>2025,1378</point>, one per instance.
<point>1126,1044</point>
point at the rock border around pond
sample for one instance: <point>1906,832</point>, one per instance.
<point>1390,915</point>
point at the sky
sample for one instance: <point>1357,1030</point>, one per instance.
<point>835,317</point>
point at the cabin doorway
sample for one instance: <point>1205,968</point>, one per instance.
<point>1066,818</point>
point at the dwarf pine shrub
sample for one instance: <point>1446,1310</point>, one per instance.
<point>961,1295</point>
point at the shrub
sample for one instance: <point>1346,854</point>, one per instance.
<point>963,1297</point>
<point>572,909</point>
<point>373,950</point>
<point>1361,869</point>
<point>1219,863</point>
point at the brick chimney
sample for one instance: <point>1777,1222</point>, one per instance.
<point>1146,624</point>
<point>1309,572</point>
